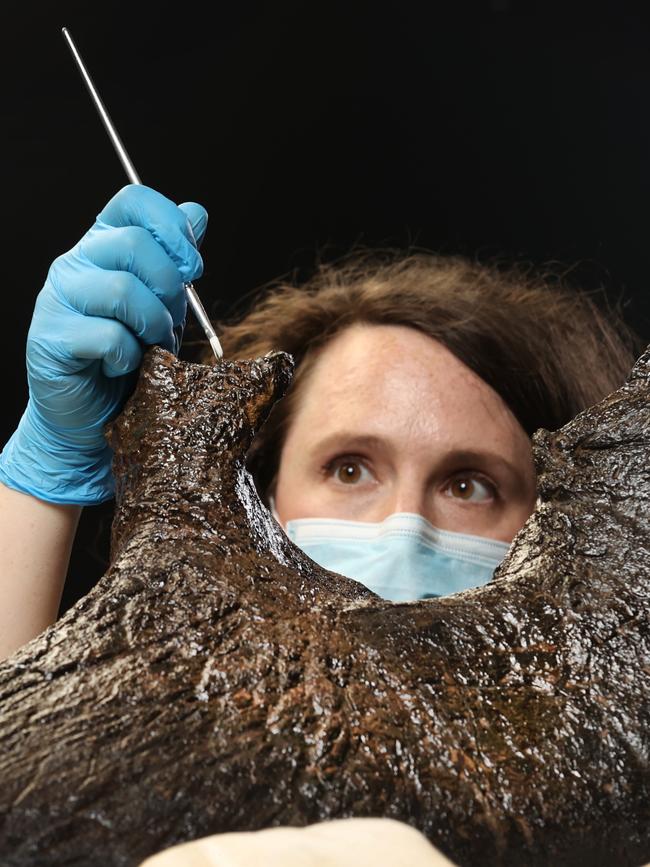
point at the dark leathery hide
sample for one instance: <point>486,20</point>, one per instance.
<point>216,679</point>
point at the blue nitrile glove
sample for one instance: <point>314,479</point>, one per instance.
<point>117,290</point>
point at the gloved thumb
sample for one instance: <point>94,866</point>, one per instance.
<point>198,219</point>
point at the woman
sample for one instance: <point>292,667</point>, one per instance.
<point>401,454</point>
<point>419,382</point>
<point>406,433</point>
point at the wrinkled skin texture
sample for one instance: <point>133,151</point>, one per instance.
<point>216,679</point>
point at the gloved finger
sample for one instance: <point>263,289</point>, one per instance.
<point>108,340</point>
<point>137,205</point>
<point>198,217</point>
<point>122,296</point>
<point>135,250</point>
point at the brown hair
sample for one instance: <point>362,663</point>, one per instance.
<point>547,349</point>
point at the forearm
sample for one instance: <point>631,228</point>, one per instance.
<point>35,542</point>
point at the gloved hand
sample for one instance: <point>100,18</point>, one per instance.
<point>116,291</point>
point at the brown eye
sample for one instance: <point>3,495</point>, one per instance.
<point>467,488</point>
<point>462,488</point>
<point>349,473</point>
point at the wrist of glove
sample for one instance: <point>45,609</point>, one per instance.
<point>49,464</point>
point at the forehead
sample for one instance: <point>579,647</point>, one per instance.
<point>385,378</point>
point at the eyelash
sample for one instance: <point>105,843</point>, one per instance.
<point>328,469</point>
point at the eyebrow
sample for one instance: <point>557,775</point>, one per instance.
<point>350,440</point>
<point>476,456</point>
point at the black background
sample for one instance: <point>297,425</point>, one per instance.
<point>494,128</point>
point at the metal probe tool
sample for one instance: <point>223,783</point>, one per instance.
<point>192,298</point>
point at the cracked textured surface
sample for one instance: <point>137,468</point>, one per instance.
<point>216,679</point>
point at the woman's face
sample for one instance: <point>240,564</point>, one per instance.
<point>390,421</point>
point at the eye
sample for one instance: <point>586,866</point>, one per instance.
<point>348,471</point>
<point>470,489</point>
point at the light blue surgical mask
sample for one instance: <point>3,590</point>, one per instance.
<point>402,558</point>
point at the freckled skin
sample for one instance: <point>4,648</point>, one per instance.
<point>421,406</point>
